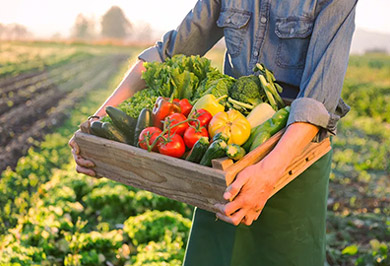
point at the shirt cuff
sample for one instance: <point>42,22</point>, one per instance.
<point>150,55</point>
<point>314,112</point>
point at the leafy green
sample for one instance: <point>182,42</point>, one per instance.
<point>215,83</point>
<point>145,98</point>
<point>177,77</point>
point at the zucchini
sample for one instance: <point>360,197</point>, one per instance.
<point>199,149</point>
<point>216,150</point>
<point>113,133</point>
<point>235,152</point>
<point>96,129</point>
<point>144,121</point>
<point>221,136</point>
<point>124,123</point>
<point>260,139</point>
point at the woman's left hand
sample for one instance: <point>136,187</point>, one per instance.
<point>249,192</point>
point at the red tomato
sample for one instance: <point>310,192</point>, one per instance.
<point>174,146</point>
<point>152,133</point>
<point>185,106</point>
<point>192,135</point>
<point>204,117</point>
<point>177,118</point>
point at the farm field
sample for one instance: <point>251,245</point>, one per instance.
<point>50,215</point>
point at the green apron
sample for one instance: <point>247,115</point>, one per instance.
<point>289,231</point>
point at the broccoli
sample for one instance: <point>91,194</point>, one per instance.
<point>247,90</point>
<point>216,84</point>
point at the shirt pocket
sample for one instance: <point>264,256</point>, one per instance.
<point>235,24</point>
<point>294,37</point>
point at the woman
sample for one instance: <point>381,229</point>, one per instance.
<point>306,44</point>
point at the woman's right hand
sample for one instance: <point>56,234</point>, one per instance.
<point>83,165</point>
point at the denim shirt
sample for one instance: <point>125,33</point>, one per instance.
<point>305,43</point>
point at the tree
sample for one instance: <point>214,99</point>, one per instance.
<point>83,28</point>
<point>115,24</point>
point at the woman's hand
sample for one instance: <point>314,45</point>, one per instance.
<point>83,166</point>
<point>253,186</point>
<point>249,192</point>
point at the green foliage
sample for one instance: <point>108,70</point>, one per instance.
<point>151,226</point>
<point>145,98</point>
<point>178,76</point>
<point>215,83</point>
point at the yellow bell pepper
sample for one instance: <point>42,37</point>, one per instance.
<point>209,103</point>
<point>233,124</point>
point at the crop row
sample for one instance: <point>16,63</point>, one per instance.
<point>44,110</point>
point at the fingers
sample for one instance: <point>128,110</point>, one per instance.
<point>72,143</point>
<point>234,219</point>
<point>230,208</point>
<point>81,161</point>
<point>250,217</point>
<point>235,187</point>
<point>87,171</point>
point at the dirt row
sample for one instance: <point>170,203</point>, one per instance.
<point>43,83</point>
<point>31,121</point>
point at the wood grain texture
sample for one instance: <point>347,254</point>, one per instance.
<point>177,179</point>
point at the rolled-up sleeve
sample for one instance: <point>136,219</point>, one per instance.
<point>318,101</point>
<point>196,34</point>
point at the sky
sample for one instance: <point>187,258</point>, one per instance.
<point>45,18</point>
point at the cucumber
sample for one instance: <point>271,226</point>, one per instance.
<point>235,152</point>
<point>144,121</point>
<point>260,139</point>
<point>221,136</point>
<point>96,129</point>
<point>124,123</point>
<point>113,133</point>
<point>199,149</point>
<point>216,150</point>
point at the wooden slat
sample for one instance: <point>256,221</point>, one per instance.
<point>170,177</point>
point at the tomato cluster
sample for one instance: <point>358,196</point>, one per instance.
<point>176,128</point>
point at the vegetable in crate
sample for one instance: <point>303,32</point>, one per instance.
<point>144,120</point>
<point>209,103</point>
<point>216,150</point>
<point>260,114</point>
<point>202,116</point>
<point>124,123</point>
<point>216,83</point>
<point>245,93</point>
<point>185,106</point>
<point>112,133</point>
<point>148,136</point>
<point>233,124</point>
<point>266,130</point>
<point>96,129</point>
<point>235,152</point>
<point>163,108</point>
<point>198,150</point>
<point>193,134</point>
<point>175,119</point>
<point>171,145</point>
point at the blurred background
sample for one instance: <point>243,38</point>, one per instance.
<point>145,21</point>
<point>59,61</point>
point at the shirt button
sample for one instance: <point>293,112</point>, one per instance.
<point>228,20</point>
<point>263,20</point>
<point>255,53</point>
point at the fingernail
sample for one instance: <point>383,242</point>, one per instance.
<point>227,195</point>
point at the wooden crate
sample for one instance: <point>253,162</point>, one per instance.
<point>178,179</point>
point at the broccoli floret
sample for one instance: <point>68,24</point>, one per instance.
<point>216,84</point>
<point>247,89</point>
